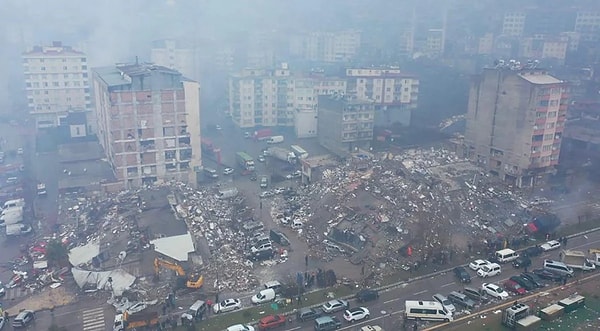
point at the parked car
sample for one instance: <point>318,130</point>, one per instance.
<point>356,314</point>
<point>137,308</point>
<point>551,245</point>
<point>461,300</point>
<point>227,305</point>
<point>445,302</point>
<point>514,287</point>
<point>253,177</point>
<point>529,286</point>
<point>535,279</point>
<point>477,264</point>
<point>2,322</point>
<point>240,327</point>
<point>494,291</point>
<point>522,262</point>
<point>334,305</point>
<point>307,314</point>
<point>271,322</point>
<point>366,295</point>
<point>489,270</point>
<point>533,251</point>
<point>475,294</point>
<point>23,319</point>
<point>261,158</point>
<point>228,171</point>
<point>547,274</point>
<point>462,274</point>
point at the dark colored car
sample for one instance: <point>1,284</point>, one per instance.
<point>253,177</point>
<point>529,286</point>
<point>533,251</point>
<point>307,314</point>
<point>548,275</point>
<point>535,279</point>
<point>475,294</point>
<point>522,262</point>
<point>462,274</point>
<point>279,237</point>
<point>367,295</point>
<point>514,287</point>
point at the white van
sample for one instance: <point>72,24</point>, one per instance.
<point>195,311</point>
<point>14,203</point>
<point>489,270</point>
<point>558,268</point>
<point>426,311</point>
<point>12,210</point>
<point>263,296</point>
<point>506,255</point>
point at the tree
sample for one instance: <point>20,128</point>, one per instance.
<point>57,254</point>
<point>55,327</point>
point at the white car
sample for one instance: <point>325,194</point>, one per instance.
<point>279,190</point>
<point>227,171</point>
<point>240,327</point>
<point>2,322</point>
<point>371,328</point>
<point>494,291</point>
<point>477,264</point>
<point>334,305</point>
<point>266,194</point>
<point>552,244</point>
<point>227,305</point>
<point>356,314</point>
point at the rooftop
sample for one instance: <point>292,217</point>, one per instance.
<point>121,73</point>
<point>57,49</point>
<point>540,79</point>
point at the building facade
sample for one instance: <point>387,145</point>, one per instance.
<point>56,79</point>
<point>339,46</point>
<point>345,123</point>
<point>394,93</point>
<point>515,122</point>
<point>171,54</point>
<point>148,123</point>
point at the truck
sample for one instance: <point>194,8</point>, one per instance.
<point>41,189</point>
<point>18,229</point>
<point>282,154</point>
<point>275,140</point>
<point>245,161</point>
<point>299,152</point>
<point>595,256</point>
<point>210,150</point>
<point>11,219</point>
<point>263,134</point>
<point>142,319</point>
<point>577,260</point>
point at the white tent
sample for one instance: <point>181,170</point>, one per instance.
<point>98,280</point>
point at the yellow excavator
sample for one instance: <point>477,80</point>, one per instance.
<point>194,280</point>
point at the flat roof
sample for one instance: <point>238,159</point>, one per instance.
<point>111,76</point>
<point>540,79</point>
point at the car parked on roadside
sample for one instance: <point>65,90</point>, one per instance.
<point>23,318</point>
<point>462,274</point>
<point>494,291</point>
<point>477,264</point>
<point>240,327</point>
<point>514,287</point>
<point>527,285</point>
<point>445,302</point>
<point>307,314</point>
<point>535,279</point>
<point>551,245</point>
<point>461,300</point>
<point>547,274</point>
<point>489,270</point>
<point>228,171</point>
<point>271,321</point>
<point>475,294</point>
<point>366,294</point>
<point>533,251</point>
<point>227,305</point>
<point>523,261</point>
<point>356,314</point>
<point>334,305</point>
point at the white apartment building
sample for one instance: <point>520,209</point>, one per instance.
<point>339,46</point>
<point>513,24</point>
<point>56,79</point>
<point>587,23</point>
<point>171,54</point>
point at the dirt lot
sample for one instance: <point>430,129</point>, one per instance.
<point>587,318</point>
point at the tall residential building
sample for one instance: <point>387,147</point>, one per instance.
<point>587,23</point>
<point>435,42</point>
<point>339,46</point>
<point>345,123</point>
<point>513,24</point>
<point>515,122</point>
<point>56,79</point>
<point>148,123</point>
<point>394,93</point>
<point>174,55</point>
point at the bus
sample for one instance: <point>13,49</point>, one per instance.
<point>426,311</point>
<point>299,152</point>
<point>245,161</point>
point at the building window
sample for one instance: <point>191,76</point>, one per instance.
<point>65,68</point>
<point>552,114</point>
<point>43,68</point>
<point>549,136</point>
<point>543,103</point>
<point>547,148</point>
<point>550,125</point>
<point>540,114</point>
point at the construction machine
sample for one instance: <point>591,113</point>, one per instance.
<point>194,280</point>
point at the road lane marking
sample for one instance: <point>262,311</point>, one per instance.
<point>447,284</point>
<point>296,328</point>
<point>421,292</point>
<point>390,301</point>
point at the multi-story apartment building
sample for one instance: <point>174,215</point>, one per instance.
<point>345,123</point>
<point>544,47</point>
<point>515,122</point>
<point>56,79</point>
<point>587,23</point>
<point>513,24</point>
<point>148,123</point>
<point>339,46</point>
<point>435,42</point>
<point>173,55</point>
<point>393,92</point>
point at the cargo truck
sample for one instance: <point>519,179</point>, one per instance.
<point>18,229</point>
<point>299,152</point>
<point>595,256</point>
<point>263,134</point>
<point>577,260</point>
<point>282,154</point>
<point>275,140</point>
<point>245,161</point>
<point>139,320</point>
